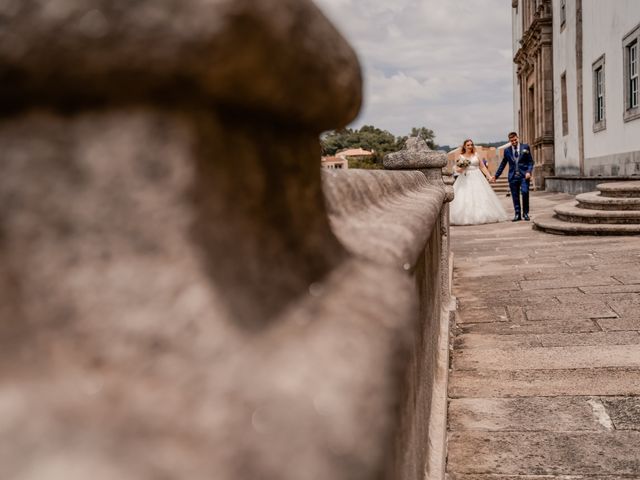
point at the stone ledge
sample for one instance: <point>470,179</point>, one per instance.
<point>232,52</point>
<point>383,216</point>
<point>416,156</point>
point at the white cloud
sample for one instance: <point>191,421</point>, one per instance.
<point>442,64</point>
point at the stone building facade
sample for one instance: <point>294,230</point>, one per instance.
<point>576,90</point>
<point>600,135</point>
<point>533,81</point>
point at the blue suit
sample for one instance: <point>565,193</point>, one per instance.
<point>518,167</point>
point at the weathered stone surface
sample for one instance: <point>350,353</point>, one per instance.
<point>624,412</point>
<point>416,155</point>
<point>621,189</point>
<point>481,315</point>
<point>612,289</point>
<point>462,476</point>
<point>473,340</point>
<point>545,358</point>
<point>569,311</point>
<point>136,304</point>
<point>175,300</point>
<point>384,217</point>
<point>540,327</point>
<point>568,281</point>
<point>560,414</point>
<point>595,338</point>
<point>629,278</point>
<point>619,324</point>
<point>468,341</point>
<point>527,383</point>
<point>611,453</point>
<point>626,309</point>
<point>180,52</point>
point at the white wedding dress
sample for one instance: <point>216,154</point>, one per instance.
<point>475,202</point>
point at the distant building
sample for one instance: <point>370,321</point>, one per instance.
<point>341,159</point>
<point>576,82</point>
<point>355,152</point>
<point>334,163</point>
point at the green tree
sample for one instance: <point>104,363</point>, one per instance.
<point>370,138</point>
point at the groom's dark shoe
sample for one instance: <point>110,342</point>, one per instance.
<point>516,218</point>
<point>526,217</point>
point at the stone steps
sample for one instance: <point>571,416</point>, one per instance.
<point>612,210</point>
<point>620,189</point>
<point>596,201</point>
<point>501,187</point>
<point>551,224</point>
<point>571,212</point>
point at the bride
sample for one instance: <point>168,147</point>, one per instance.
<point>474,202</point>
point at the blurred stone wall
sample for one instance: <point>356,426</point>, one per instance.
<point>182,295</point>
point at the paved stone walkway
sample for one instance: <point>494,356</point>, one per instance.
<point>545,378</point>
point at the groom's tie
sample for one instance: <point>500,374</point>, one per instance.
<point>516,155</point>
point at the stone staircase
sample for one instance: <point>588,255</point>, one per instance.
<point>612,210</point>
<point>501,187</point>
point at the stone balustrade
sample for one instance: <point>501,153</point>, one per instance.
<point>182,294</point>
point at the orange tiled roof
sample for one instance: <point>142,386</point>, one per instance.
<point>354,152</point>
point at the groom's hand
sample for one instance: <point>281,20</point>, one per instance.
<point>492,179</point>
<point>527,176</point>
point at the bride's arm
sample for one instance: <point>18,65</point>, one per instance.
<point>485,170</point>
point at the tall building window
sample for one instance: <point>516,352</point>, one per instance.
<point>563,13</point>
<point>565,107</point>
<point>598,95</point>
<point>633,74</point>
<point>630,45</point>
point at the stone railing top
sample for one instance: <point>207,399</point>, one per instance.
<point>416,156</point>
<point>282,57</point>
<point>384,217</point>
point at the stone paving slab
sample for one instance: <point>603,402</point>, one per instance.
<point>570,312</point>
<point>626,309</point>
<point>587,453</point>
<point>553,391</point>
<point>481,315</point>
<point>591,279</point>
<point>624,413</point>
<point>595,338</point>
<point>560,414</point>
<point>468,341</point>
<point>629,278</point>
<point>556,271</point>
<point>612,289</point>
<point>541,327</point>
<point>458,476</point>
<point>550,358</point>
<point>544,383</point>
<point>619,324</point>
<point>577,299</point>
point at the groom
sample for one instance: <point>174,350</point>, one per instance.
<point>520,161</point>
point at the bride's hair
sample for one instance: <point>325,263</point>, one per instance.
<point>463,149</point>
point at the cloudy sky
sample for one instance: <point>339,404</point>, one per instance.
<point>441,64</point>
